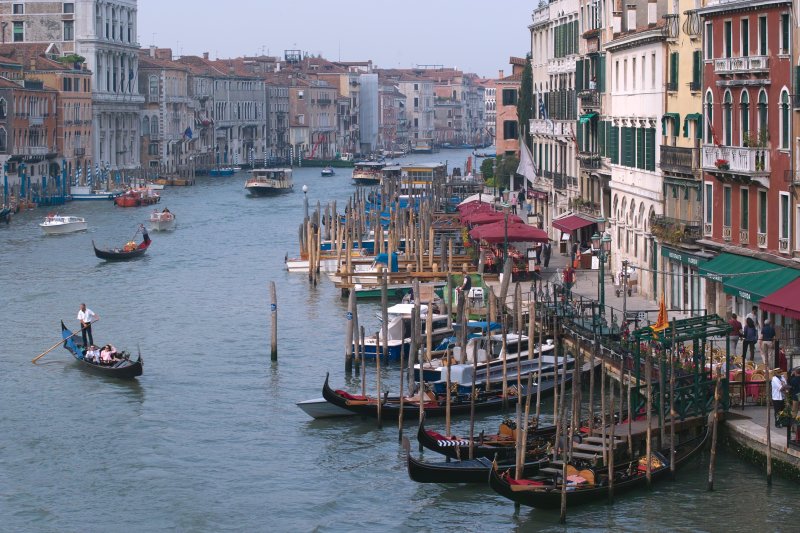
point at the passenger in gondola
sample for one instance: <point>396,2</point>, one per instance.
<point>108,354</point>
<point>92,354</point>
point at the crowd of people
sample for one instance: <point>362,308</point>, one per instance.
<point>752,333</point>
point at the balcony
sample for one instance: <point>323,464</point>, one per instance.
<point>744,236</point>
<point>762,240</point>
<point>36,121</point>
<point>324,101</point>
<point>589,160</point>
<point>541,15</point>
<point>152,98</point>
<point>551,128</point>
<point>590,98</point>
<point>79,152</point>
<point>676,231</point>
<point>741,65</point>
<point>722,160</point>
<point>680,160</point>
<point>726,233</point>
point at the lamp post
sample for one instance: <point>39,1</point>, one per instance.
<point>305,202</point>
<point>603,246</point>
<point>505,235</point>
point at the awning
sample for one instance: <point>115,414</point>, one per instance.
<point>746,277</point>
<point>785,301</point>
<point>587,117</point>
<point>537,194</point>
<point>692,117</point>
<point>676,119</point>
<point>571,223</point>
<point>683,257</point>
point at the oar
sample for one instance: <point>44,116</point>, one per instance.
<point>56,345</point>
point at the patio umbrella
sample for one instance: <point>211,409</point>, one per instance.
<point>513,232</point>
<point>475,204</point>
<point>485,198</point>
<point>488,217</point>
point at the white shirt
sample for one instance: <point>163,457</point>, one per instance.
<point>87,316</point>
<point>92,355</point>
<point>777,384</point>
<point>755,321</point>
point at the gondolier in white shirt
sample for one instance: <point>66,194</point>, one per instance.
<point>86,316</point>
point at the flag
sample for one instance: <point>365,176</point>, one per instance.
<point>662,322</point>
<point>526,167</point>
<point>188,133</point>
<point>711,127</point>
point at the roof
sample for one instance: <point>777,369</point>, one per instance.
<point>200,67</point>
<point>747,277</point>
<point>26,54</point>
<point>146,61</point>
<point>784,301</point>
<point>571,223</point>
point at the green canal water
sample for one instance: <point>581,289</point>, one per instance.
<point>210,439</point>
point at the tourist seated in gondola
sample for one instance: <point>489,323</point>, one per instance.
<point>108,354</point>
<point>92,354</point>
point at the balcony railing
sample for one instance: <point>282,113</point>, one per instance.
<point>679,159</point>
<point>589,159</point>
<point>79,152</point>
<point>36,121</point>
<point>736,160</point>
<point>675,230</point>
<point>741,65</point>
<point>590,98</point>
<point>744,236</point>
<point>31,150</point>
<point>762,240</point>
<point>783,245</point>
<point>553,128</point>
<point>726,233</point>
<point>152,98</point>
<point>708,228</point>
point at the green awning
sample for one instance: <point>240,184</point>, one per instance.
<point>676,119</point>
<point>746,277</point>
<point>694,117</point>
<point>587,117</point>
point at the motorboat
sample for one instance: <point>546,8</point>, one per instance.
<point>269,181</point>
<point>328,171</point>
<point>137,198</point>
<point>86,192</point>
<point>62,224</point>
<point>368,173</point>
<point>162,220</point>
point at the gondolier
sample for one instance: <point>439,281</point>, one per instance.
<point>86,316</point>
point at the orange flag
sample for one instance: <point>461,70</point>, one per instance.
<point>663,320</point>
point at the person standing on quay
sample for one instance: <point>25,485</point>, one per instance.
<point>736,332</point>
<point>547,249</point>
<point>767,342</point>
<point>750,339</point>
<point>569,280</point>
<point>86,316</point>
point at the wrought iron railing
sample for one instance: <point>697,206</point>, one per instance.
<point>679,159</point>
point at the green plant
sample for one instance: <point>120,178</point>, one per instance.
<point>71,59</point>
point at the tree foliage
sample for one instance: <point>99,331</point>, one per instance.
<point>525,101</point>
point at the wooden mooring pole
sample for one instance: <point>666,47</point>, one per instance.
<point>712,461</point>
<point>273,311</point>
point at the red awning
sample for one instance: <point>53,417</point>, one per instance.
<point>487,217</point>
<point>571,223</point>
<point>514,232</point>
<point>475,204</point>
<point>785,301</point>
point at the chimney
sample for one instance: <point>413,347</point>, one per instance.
<point>205,56</point>
<point>152,50</point>
<point>500,74</point>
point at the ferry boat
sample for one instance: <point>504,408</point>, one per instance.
<point>222,171</point>
<point>60,225</point>
<point>269,181</point>
<point>86,192</point>
<point>368,173</point>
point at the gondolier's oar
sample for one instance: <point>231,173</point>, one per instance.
<point>59,343</point>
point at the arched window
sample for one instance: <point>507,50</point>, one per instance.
<point>145,124</point>
<point>727,118</point>
<point>154,128</point>
<point>3,141</point>
<point>614,211</point>
<point>744,119</point>
<point>709,118</point>
<point>153,89</point>
<point>3,108</point>
<point>784,108</point>
<point>762,115</point>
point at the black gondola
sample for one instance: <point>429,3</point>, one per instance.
<point>464,471</point>
<point>435,406</point>
<point>485,446</point>
<point>120,254</point>
<point>546,494</point>
<point>122,369</point>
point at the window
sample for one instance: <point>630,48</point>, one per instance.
<point>785,33</point>
<point>509,97</point>
<point>709,118</point>
<point>709,200</point>
<point>633,73</point>
<point>744,119</point>
<point>709,41</point>
<point>19,32</point>
<point>697,61</point>
<point>727,118</point>
<point>510,129</point>
<point>153,87</point>
<point>726,206</point>
<point>625,75</point>
<point>3,108</point>
<point>616,75</point>
<point>673,71</point>
<point>762,113</point>
<point>416,87</point>
<point>69,30</point>
<point>416,103</point>
<point>728,38</point>
<point>744,209</point>
<point>300,95</point>
<point>3,141</point>
<point>69,7</point>
<point>652,71</point>
<point>745,35</point>
<point>762,211</point>
<point>154,127</point>
<point>784,216</point>
<point>762,36</point>
<point>784,109</point>
<point>18,9</point>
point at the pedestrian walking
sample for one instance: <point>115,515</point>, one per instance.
<point>750,339</point>
<point>513,201</point>
<point>736,332</point>
<point>767,342</point>
<point>547,250</point>
<point>569,280</point>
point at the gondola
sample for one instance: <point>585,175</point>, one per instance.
<point>123,369</point>
<point>124,254</point>
<point>546,493</point>
<point>464,471</point>
<point>435,405</point>
<point>501,446</point>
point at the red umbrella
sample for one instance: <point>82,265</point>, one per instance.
<point>487,217</point>
<point>513,232</point>
<point>478,208</point>
<point>475,204</point>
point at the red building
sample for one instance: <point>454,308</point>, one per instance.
<point>747,83</point>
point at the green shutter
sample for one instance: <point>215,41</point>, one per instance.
<point>601,73</point>
<point>601,138</point>
<point>639,147</point>
<point>579,136</point>
<point>784,33</point>
<point>673,70</point>
<point>613,144</point>
<point>696,62</point>
<point>797,80</point>
<point>650,148</point>
<point>579,75</point>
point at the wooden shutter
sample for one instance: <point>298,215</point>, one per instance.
<point>696,62</point>
<point>673,70</point>
<point>650,148</point>
<point>601,138</point>
<point>639,147</point>
<point>601,73</point>
<point>614,144</point>
<point>579,75</point>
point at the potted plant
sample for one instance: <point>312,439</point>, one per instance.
<point>722,164</point>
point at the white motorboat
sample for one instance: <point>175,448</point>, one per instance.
<point>85,192</point>
<point>162,220</point>
<point>59,224</point>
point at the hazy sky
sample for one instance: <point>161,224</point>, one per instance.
<point>475,36</point>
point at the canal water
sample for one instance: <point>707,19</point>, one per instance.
<point>210,439</point>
